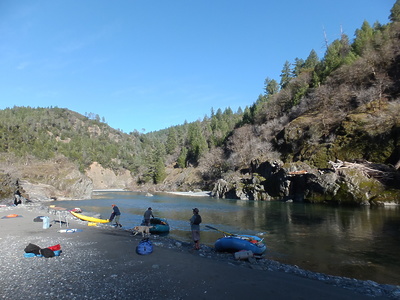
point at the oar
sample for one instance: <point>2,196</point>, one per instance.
<point>231,234</point>
<point>226,233</point>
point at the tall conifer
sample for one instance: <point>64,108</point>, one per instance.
<point>285,75</point>
<point>395,12</point>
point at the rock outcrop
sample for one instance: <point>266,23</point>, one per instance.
<point>349,183</point>
<point>44,180</point>
<point>108,179</point>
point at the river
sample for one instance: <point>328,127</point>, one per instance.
<point>361,242</point>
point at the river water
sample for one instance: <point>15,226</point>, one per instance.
<point>361,242</point>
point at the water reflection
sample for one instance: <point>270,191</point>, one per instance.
<point>359,242</point>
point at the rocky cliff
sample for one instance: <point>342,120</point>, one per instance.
<point>43,180</point>
<point>104,179</point>
<point>362,183</point>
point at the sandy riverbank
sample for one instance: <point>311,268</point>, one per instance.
<point>101,263</point>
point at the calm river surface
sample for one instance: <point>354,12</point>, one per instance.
<point>362,243</point>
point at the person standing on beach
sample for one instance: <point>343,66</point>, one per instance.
<point>195,221</point>
<point>116,214</point>
<point>147,214</point>
<point>17,198</point>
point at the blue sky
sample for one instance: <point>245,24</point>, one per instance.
<point>148,65</point>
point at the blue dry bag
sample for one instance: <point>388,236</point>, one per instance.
<point>145,247</point>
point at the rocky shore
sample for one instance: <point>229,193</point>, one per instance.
<point>101,263</point>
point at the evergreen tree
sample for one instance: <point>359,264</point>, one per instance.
<point>196,142</point>
<point>271,86</point>
<point>298,66</point>
<point>218,115</point>
<point>228,112</point>
<point>285,75</point>
<point>363,39</point>
<point>337,54</point>
<point>247,117</point>
<point>311,61</point>
<point>212,112</point>
<point>159,171</point>
<point>172,141</point>
<point>181,161</point>
<point>395,12</point>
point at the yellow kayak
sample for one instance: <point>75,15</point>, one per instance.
<point>89,219</point>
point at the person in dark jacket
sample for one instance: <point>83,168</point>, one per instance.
<point>195,221</point>
<point>17,198</point>
<point>115,215</point>
<point>147,214</point>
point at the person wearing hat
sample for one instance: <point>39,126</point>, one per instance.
<point>147,214</point>
<point>195,221</point>
<point>115,215</point>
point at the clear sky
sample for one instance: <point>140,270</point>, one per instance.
<point>150,64</point>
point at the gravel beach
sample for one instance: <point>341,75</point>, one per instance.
<point>100,262</point>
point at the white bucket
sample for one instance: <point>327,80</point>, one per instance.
<point>244,254</point>
<point>46,222</point>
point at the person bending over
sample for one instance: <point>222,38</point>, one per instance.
<point>147,214</point>
<point>115,215</point>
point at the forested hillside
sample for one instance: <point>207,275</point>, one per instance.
<point>344,106</point>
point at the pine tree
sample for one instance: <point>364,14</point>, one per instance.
<point>395,12</point>
<point>247,117</point>
<point>196,142</point>
<point>337,54</point>
<point>298,66</point>
<point>285,75</point>
<point>311,61</point>
<point>172,141</point>
<point>181,161</point>
<point>363,39</point>
<point>271,86</point>
<point>159,171</point>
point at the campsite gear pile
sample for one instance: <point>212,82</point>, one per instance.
<point>33,250</point>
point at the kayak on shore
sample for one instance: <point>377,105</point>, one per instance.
<point>89,219</point>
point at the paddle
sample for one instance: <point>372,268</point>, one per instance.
<point>226,233</point>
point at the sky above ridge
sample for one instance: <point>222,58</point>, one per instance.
<point>148,65</point>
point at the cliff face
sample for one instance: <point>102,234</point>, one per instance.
<point>361,183</point>
<point>43,180</point>
<point>107,179</point>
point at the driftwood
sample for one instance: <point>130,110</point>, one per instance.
<point>397,165</point>
<point>378,171</point>
<point>302,172</point>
